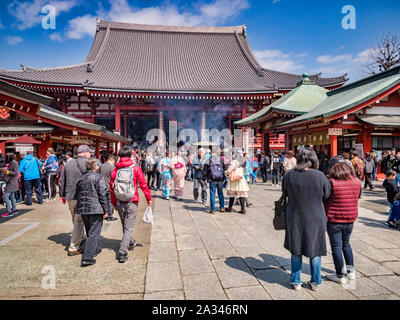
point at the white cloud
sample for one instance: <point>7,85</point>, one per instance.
<point>277,60</point>
<point>353,65</point>
<point>329,59</point>
<point>56,37</point>
<point>29,14</point>
<point>13,40</point>
<point>81,26</point>
<point>213,13</point>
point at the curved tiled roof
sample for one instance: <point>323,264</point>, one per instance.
<point>147,58</point>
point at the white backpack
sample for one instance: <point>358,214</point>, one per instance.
<point>124,189</point>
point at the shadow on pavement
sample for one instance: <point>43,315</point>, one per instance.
<point>267,270</point>
<point>21,213</point>
<point>105,243</point>
<point>373,223</point>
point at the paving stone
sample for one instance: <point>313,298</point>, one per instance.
<point>239,239</point>
<point>162,235</point>
<point>255,258</point>
<point>189,242</point>
<point>220,248</point>
<point>332,291</point>
<point>385,297</point>
<point>163,276</point>
<point>394,266</point>
<point>379,243</point>
<point>248,293</point>
<point>203,286</point>
<point>368,267</point>
<point>185,225</point>
<point>391,283</point>
<point>233,272</point>
<point>164,295</point>
<point>163,251</point>
<point>395,252</point>
<point>363,287</point>
<point>277,284</point>
<point>195,261</point>
<point>378,255</point>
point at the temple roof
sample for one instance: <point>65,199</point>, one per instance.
<point>298,101</point>
<point>147,58</point>
<point>350,96</point>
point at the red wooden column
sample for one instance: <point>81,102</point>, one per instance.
<point>333,141</point>
<point>365,138</point>
<point>97,149</point>
<point>117,116</point>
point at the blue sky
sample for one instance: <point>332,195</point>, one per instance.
<point>287,35</point>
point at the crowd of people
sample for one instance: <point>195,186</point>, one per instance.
<point>322,193</point>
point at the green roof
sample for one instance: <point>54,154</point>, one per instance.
<point>351,95</point>
<point>381,120</point>
<point>298,101</point>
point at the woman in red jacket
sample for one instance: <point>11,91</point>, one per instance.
<point>342,211</point>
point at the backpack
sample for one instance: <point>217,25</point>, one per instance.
<point>124,189</point>
<point>217,171</point>
<point>369,166</point>
<point>276,162</point>
<point>358,167</point>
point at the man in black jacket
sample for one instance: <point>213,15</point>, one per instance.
<point>69,177</point>
<point>93,205</point>
<point>264,166</point>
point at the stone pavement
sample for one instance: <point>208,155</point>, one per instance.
<point>196,255</point>
<point>39,236</point>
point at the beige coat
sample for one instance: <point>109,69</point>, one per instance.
<point>236,186</point>
<point>289,164</point>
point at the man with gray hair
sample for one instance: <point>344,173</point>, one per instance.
<point>69,177</point>
<point>198,165</point>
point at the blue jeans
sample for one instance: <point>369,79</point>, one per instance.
<point>315,269</point>
<point>7,196</point>
<point>275,177</point>
<point>339,237</point>
<point>216,186</point>
<point>375,172</point>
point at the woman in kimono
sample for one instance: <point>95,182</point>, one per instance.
<point>178,173</point>
<point>164,167</point>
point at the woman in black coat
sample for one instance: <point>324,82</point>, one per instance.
<point>306,188</point>
<point>9,175</point>
<point>93,205</point>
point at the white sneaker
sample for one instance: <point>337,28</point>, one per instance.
<point>296,286</point>
<point>335,278</point>
<point>351,275</point>
<point>314,286</point>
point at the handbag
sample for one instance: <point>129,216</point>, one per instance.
<point>236,174</point>
<point>41,172</point>
<point>279,220</point>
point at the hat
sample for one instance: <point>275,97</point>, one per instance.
<point>84,148</point>
<point>335,160</point>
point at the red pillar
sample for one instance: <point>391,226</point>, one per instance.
<point>364,137</point>
<point>97,150</point>
<point>117,116</point>
<point>333,140</point>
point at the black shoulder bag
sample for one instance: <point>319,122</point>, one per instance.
<point>280,213</point>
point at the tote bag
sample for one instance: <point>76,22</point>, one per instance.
<point>279,220</point>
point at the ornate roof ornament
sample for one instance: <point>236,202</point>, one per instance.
<point>97,24</point>
<point>89,68</point>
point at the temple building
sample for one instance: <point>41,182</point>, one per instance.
<point>139,77</point>
<point>28,124</point>
<point>359,116</point>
